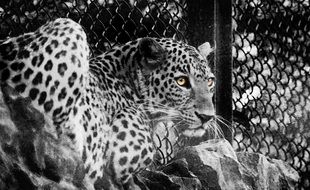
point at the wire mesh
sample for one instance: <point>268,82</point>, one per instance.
<point>270,54</point>
<point>107,22</point>
<point>271,80</point>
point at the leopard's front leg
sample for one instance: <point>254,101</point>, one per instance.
<point>125,149</point>
<point>131,145</point>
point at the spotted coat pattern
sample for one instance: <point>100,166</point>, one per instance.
<point>105,104</point>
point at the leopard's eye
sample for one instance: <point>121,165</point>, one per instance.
<point>183,81</point>
<point>210,82</point>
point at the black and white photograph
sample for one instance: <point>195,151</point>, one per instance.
<point>154,95</point>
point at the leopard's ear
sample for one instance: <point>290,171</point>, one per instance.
<point>152,54</point>
<point>207,52</point>
<point>205,49</point>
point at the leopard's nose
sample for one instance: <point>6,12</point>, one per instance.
<point>203,117</point>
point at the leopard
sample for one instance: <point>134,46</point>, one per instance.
<point>107,104</point>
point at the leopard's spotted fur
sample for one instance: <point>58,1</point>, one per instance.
<point>105,104</point>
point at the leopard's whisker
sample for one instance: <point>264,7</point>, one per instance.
<point>223,121</point>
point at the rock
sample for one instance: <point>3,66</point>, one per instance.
<point>31,154</point>
<point>218,167</point>
<point>173,176</point>
<point>266,172</point>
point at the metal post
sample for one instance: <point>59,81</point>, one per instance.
<point>223,62</point>
<point>200,22</point>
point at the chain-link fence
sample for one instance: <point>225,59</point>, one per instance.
<point>271,78</point>
<point>107,22</point>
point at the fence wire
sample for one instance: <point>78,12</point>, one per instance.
<point>270,55</point>
<point>272,79</point>
<point>107,22</point>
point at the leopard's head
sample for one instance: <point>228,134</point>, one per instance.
<point>178,84</point>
